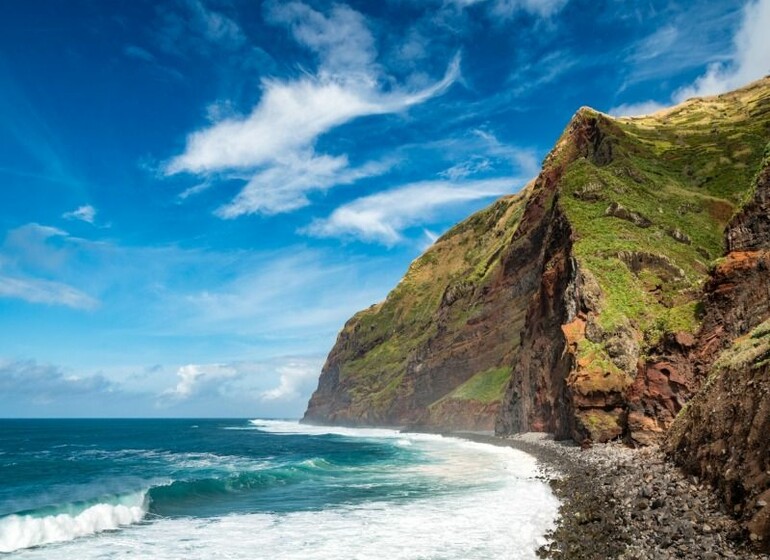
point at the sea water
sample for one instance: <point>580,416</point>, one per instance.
<point>261,489</point>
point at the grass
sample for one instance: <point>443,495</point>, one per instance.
<point>682,173</point>
<point>485,387</point>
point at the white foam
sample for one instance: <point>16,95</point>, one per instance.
<point>24,531</point>
<point>294,427</point>
<point>490,507</point>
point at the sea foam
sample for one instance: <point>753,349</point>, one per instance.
<point>25,531</point>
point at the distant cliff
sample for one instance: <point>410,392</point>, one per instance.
<point>578,306</point>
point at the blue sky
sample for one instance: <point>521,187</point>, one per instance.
<point>196,194</point>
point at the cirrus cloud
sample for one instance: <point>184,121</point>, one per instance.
<point>382,217</point>
<point>748,60</point>
<point>273,147</point>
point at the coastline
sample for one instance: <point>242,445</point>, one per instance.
<point>629,504</point>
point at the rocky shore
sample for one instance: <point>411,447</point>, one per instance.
<point>628,504</point>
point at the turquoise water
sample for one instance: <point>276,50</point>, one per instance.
<point>260,489</point>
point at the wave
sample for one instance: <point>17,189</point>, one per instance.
<point>28,530</point>
<point>294,427</point>
<point>49,525</point>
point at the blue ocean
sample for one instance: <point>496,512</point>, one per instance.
<point>186,489</point>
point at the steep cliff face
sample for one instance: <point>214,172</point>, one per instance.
<point>437,351</point>
<point>639,212</point>
<point>573,307</point>
<point>722,435</point>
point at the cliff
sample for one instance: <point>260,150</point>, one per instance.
<point>438,350</point>
<point>722,434</point>
<point>575,306</point>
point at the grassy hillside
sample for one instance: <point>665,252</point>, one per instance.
<point>648,212</point>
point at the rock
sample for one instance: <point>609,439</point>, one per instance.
<point>617,210</point>
<point>590,192</point>
<point>679,236</point>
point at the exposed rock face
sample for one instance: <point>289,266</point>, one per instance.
<point>437,352</point>
<point>722,436</point>
<point>576,307</point>
<point>748,231</point>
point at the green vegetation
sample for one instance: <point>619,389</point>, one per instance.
<point>751,351</point>
<point>485,387</point>
<point>685,171</point>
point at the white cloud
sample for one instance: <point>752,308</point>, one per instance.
<point>750,59</point>
<point>194,190</point>
<point>297,379</point>
<point>275,142</point>
<point>283,187</point>
<point>636,109</point>
<point>85,213</point>
<point>35,290</point>
<point>288,118</point>
<point>195,378</point>
<point>383,216</point>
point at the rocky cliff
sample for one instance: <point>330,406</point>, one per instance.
<point>438,350</point>
<point>722,434</point>
<point>574,307</point>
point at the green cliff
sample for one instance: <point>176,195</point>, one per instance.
<point>573,306</point>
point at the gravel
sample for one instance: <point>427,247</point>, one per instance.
<point>628,504</point>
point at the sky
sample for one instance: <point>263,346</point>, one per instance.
<point>195,195</point>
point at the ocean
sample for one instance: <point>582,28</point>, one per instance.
<point>261,489</point>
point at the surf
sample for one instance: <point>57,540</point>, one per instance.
<point>21,531</point>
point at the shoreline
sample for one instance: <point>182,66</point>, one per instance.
<point>628,504</point>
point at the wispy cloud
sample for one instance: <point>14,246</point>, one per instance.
<point>294,295</point>
<point>191,26</point>
<point>35,290</point>
<point>28,137</point>
<point>533,75</point>
<point>27,261</point>
<point>85,213</point>
<point>382,217</point>
<point>284,187</point>
<point>748,59</point>
<point>275,143</point>
<point>689,36</point>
